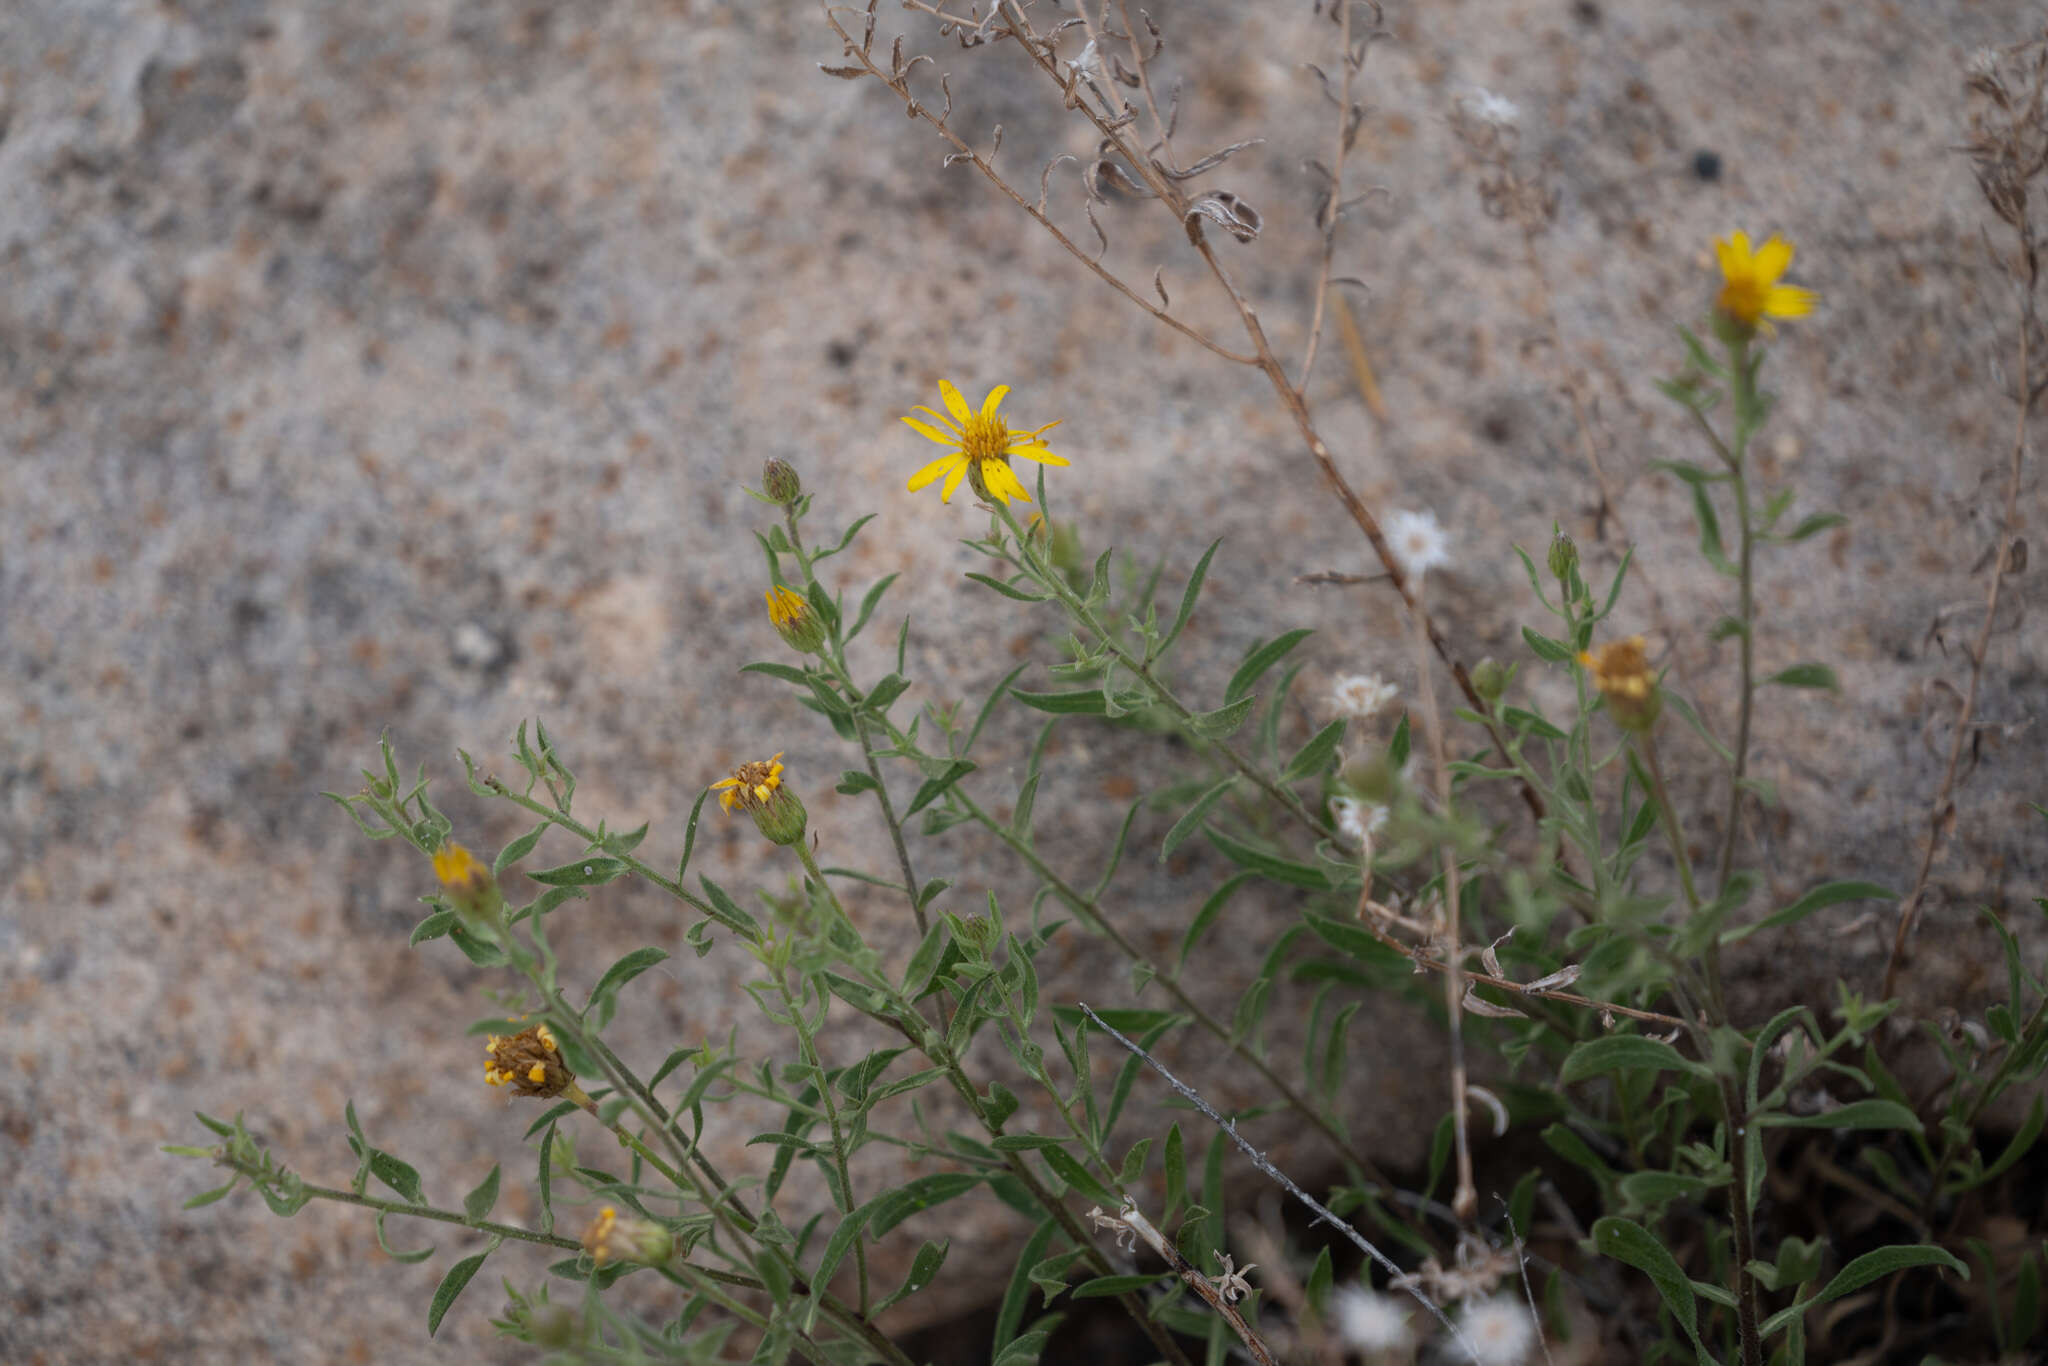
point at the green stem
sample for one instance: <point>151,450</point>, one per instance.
<point>862,728</point>
<point>914,1027</point>
<point>808,1043</point>
<point>1087,908</point>
<point>1748,415</point>
<point>442,1216</point>
<point>1078,609</point>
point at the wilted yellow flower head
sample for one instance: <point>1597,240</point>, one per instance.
<point>471,887</point>
<point>530,1062</point>
<point>1750,292</point>
<point>1622,673</point>
<point>756,788</point>
<point>794,621</point>
<point>982,445</point>
<point>624,1238</point>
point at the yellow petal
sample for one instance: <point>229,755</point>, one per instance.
<point>925,429</point>
<point>1789,301</point>
<point>1038,453</point>
<point>1773,258</point>
<point>955,404</point>
<point>995,396</point>
<point>956,462</point>
<point>1733,254</point>
<point>953,480</point>
<point>1002,481</point>
<point>948,423</point>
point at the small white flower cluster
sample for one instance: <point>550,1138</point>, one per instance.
<point>1498,1331</point>
<point>1418,542</point>
<point>1361,696</point>
<point>1367,1321</point>
<point>1357,821</point>
<point>1487,107</point>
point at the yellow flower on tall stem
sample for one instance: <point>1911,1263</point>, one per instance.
<point>1750,292</point>
<point>982,445</point>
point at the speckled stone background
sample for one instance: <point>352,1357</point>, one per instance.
<point>397,366</point>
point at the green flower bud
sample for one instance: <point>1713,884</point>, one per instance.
<point>1490,678</point>
<point>780,481</point>
<point>1564,554</point>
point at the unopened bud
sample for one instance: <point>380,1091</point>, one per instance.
<point>780,481</point>
<point>1490,678</point>
<point>794,620</point>
<point>1564,554</point>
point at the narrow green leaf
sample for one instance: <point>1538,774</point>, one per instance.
<point>868,603</point>
<point>1010,1313</point>
<point>1815,523</point>
<point>924,1268</point>
<point>1191,820</point>
<point>1398,745</point>
<point>1206,917</point>
<point>1825,895</point>
<point>1869,1267</point>
<point>1314,756</point>
<point>1262,659</point>
<point>1220,723</point>
<point>584,872</point>
<point>1619,1052</point>
<point>1629,1242</point>
<point>452,1285</point>
<point>923,1193</point>
<point>1271,865</point>
<point>479,1203</point>
<point>933,787</point>
<point>1087,702</point>
<point>1187,600</point>
<point>1102,1287</point>
<point>1352,938</point>
<point>1857,1114</point>
<point>518,849</point>
<point>1555,651</point>
<point>1010,591</point>
<point>624,971</point>
<point>1806,676</point>
<point>206,1198</point>
<point>884,694</point>
<point>727,911</point>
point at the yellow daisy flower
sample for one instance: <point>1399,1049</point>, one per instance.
<point>982,445</point>
<point>1750,291</point>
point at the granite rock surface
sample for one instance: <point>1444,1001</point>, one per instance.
<point>395,369</point>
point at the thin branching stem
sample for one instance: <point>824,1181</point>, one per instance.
<point>1938,814</point>
<point>1286,1183</point>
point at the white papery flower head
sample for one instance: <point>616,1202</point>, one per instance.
<point>1497,110</point>
<point>1418,541</point>
<point>1357,821</point>
<point>1498,1331</point>
<point>1367,1321</point>
<point>1361,696</point>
